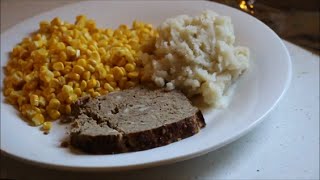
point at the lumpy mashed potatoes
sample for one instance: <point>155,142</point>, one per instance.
<point>197,55</point>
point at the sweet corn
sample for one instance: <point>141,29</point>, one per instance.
<point>74,76</point>
<point>68,109</point>
<point>37,119</point>
<point>91,83</point>
<point>133,75</point>
<point>130,67</point>
<point>70,51</point>
<point>82,62</point>
<point>78,69</point>
<point>46,126</point>
<point>109,77</point>
<point>108,87</point>
<point>67,90</point>
<point>90,67</point>
<point>95,94</point>
<point>54,114</point>
<point>117,73</point>
<point>77,91</point>
<point>54,104</point>
<point>72,98</point>
<point>34,100</point>
<point>62,61</point>
<point>83,85</point>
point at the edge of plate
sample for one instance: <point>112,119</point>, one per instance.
<point>236,136</point>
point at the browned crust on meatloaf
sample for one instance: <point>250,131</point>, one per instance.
<point>144,140</point>
<point>133,141</point>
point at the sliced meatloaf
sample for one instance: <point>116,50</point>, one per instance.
<point>133,120</point>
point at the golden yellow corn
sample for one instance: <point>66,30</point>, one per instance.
<point>54,114</point>
<point>83,85</point>
<point>74,76</point>
<point>62,61</point>
<point>77,91</point>
<point>92,83</point>
<point>46,126</point>
<point>78,69</point>
<point>130,67</point>
<point>117,73</point>
<point>34,100</point>
<point>68,109</point>
<point>108,87</point>
<point>82,62</point>
<point>133,75</point>
<point>37,119</point>
<point>54,103</point>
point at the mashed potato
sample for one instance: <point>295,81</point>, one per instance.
<point>197,55</point>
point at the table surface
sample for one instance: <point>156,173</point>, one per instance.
<point>284,146</point>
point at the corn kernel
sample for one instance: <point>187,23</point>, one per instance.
<point>34,100</point>
<point>56,21</point>
<point>78,69</point>
<point>130,67</point>
<point>46,75</point>
<point>70,51</point>
<point>133,75</point>
<point>73,76</point>
<point>8,91</point>
<point>21,100</point>
<point>46,126</point>
<point>54,114</point>
<point>102,72</point>
<point>60,46</point>
<point>113,84</point>
<point>63,56</point>
<point>37,119</point>
<point>82,62</point>
<point>117,73</point>
<point>110,77</point>
<point>108,87</point>
<point>91,83</point>
<point>67,90</point>
<point>72,98</point>
<point>83,85</point>
<point>42,101</point>
<point>56,74</point>
<point>90,91</point>
<point>76,85</point>
<point>122,62</point>
<point>95,94</point>
<point>86,75</point>
<point>95,56</point>
<point>54,104</point>
<point>54,83</point>
<point>77,91</point>
<point>90,68</point>
<point>68,109</point>
<point>103,92</point>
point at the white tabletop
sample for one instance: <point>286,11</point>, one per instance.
<point>284,146</point>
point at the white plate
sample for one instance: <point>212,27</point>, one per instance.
<point>257,92</point>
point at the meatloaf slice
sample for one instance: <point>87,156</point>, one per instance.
<point>133,120</point>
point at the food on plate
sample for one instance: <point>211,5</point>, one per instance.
<point>197,55</point>
<point>62,61</point>
<point>132,120</point>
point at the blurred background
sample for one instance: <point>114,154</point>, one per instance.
<point>294,20</point>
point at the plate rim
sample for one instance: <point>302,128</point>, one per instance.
<point>203,151</point>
